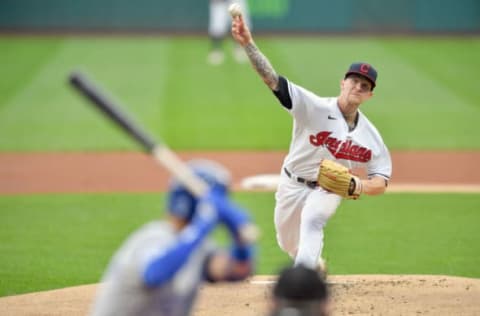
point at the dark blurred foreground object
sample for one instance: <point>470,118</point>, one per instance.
<point>300,291</point>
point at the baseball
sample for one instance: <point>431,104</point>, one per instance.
<point>235,10</point>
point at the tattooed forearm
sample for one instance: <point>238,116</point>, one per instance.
<point>262,66</point>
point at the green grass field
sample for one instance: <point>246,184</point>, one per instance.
<point>426,97</point>
<point>54,241</point>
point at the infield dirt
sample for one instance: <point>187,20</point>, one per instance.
<point>352,295</point>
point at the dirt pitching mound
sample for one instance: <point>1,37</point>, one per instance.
<point>352,295</point>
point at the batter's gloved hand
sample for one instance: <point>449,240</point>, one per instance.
<point>231,215</point>
<point>337,179</point>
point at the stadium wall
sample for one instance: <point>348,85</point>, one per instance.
<point>444,16</point>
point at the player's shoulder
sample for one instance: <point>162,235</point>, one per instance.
<point>154,230</point>
<point>156,225</point>
<point>324,103</point>
<point>310,96</point>
<point>367,121</point>
<point>370,127</point>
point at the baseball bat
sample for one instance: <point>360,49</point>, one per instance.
<point>159,150</point>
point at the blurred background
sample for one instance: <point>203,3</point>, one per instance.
<point>153,56</point>
<point>407,16</point>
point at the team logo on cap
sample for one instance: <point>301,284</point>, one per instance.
<point>364,68</point>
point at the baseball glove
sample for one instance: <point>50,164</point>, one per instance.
<point>338,179</point>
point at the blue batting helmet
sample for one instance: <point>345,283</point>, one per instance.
<point>181,203</point>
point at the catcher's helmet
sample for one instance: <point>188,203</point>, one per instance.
<point>181,203</point>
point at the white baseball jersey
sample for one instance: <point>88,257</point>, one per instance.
<point>122,291</point>
<point>319,131</point>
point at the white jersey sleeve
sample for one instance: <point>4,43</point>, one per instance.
<point>381,164</point>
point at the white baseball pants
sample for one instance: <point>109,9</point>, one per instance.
<point>301,214</point>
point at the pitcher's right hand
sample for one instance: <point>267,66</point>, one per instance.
<point>240,31</point>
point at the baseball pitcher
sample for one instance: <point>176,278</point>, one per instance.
<point>159,268</point>
<point>330,137</point>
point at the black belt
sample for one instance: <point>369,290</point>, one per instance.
<point>308,183</point>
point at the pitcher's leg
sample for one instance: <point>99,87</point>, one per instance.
<point>319,207</point>
<point>290,199</point>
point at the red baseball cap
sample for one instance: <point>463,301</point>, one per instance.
<point>364,70</point>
